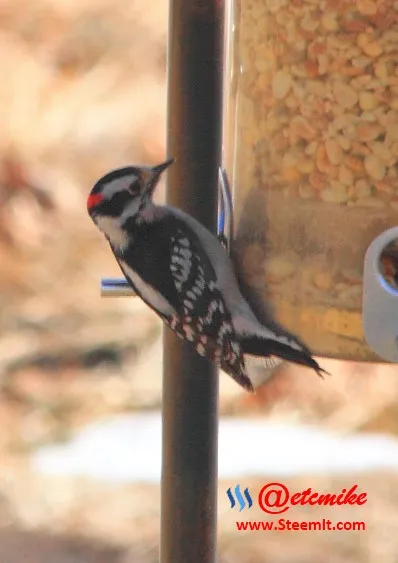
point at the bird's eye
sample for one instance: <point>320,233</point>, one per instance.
<point>134,187</point>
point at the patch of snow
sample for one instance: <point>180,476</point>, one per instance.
<point>127,448</point>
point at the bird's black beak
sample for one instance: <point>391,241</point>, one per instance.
<point>153,176</point>
<point>157,170</point>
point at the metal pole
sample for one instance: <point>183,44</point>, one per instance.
<point>190,383</point>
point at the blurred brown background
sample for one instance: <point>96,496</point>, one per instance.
<point>82,91</point>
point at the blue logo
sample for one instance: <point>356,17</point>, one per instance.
<point>239,497</point>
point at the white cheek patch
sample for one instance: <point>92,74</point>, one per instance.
<point>148,293</point>
<point>110,226</point>
<point>131,210</point>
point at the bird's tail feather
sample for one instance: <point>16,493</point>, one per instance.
<point>257,345</point>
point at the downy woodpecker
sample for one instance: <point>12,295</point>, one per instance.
<point>180,269</point>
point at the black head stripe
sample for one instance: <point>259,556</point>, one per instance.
<point>116,175</point>
<point>115,206</point>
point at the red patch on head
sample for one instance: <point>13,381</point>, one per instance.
<point>93,200</point>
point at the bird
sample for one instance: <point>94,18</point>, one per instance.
<point>185,275</point>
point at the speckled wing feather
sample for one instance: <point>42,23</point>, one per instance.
<point>168,268</point>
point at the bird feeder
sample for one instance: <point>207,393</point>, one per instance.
<point>312,151</point>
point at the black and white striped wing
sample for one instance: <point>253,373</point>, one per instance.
<point>173,275</point>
